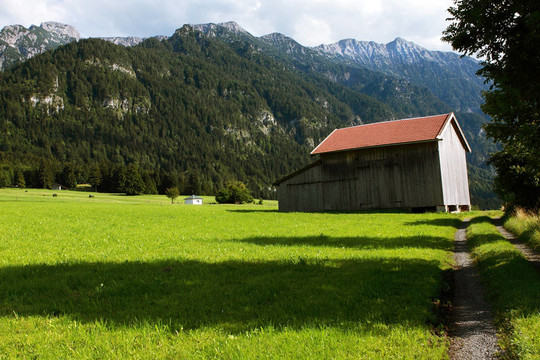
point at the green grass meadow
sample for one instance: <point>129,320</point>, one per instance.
<point>139,278</point>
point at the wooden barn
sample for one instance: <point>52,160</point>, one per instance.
<point>416,164</point>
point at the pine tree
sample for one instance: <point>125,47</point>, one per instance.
<point>134,184</point>
<point>45,174</point>
<point>19,178</point>
<point>95,176</point>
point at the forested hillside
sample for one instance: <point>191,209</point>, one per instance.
<point>192,111</point>
<point>187,107</point>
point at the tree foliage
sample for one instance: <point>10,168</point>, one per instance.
<point>133,184</point>
<point>506,34</point>
<point>172,193</point>
<point>95,177</point>
<point>234,192</point>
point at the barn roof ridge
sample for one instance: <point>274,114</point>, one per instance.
<point>393,121</point>
<point>387,133</point>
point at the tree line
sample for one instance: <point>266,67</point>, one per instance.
<point>107,177</point>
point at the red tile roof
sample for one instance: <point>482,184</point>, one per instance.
<point>395,132</point>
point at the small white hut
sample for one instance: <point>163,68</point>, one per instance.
<point>193,200</point>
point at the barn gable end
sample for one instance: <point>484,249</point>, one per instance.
<point>453,164</point>
<point>380,166</point>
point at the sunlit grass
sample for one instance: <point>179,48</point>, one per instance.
<point>137,277</point>
<point>526,226</point>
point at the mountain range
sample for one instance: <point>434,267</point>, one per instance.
<point>215,101</point>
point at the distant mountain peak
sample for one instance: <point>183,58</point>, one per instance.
<point>398,49</point>
<point>124,41</point>
<point>233,26</point>
<point>400,40</point>
<point>437,70</point>
<point>213,29</point>
<point>18,43</point>
<point>277,36</point>
<point>285,43</point>
<point>66,30</point>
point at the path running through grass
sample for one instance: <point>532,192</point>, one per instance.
<point>474,335</point>
<point>512,286</point>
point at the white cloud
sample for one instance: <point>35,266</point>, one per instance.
<point>310,22</point>
<point>309,28</point>
<point>28,12</point>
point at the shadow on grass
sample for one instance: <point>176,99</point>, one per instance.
<point>327,212</point>
<point>360,242</point>
<point>256,211</point>
<point>437,222</point>
<point>235,296</point>
<point>481,219</point>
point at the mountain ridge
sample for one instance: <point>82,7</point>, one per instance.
<point>410,61</point>
<point>18,43</point>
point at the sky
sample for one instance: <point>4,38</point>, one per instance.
<point>310,22</point>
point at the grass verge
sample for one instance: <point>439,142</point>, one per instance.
<point>513,288</point>
<point>526,227</point>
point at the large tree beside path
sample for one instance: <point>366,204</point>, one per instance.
<point>506,35</point>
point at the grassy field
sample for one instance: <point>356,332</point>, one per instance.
<point>513,288</point>
<point>136,277</point>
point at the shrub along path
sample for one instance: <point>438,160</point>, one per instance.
<point>474,335</point>
<point>530,254</point>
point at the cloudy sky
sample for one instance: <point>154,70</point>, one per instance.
<point>310,22</point>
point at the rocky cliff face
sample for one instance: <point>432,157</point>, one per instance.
<point>446,74</point>
<point>124,41</point>
<point>18,43</point>
<point>60,32</point>
<point>214,30</point>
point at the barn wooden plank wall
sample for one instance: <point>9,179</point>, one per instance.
<point>386,177</point>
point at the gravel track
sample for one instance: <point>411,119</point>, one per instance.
<point>473,335</point>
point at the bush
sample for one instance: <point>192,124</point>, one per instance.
<point>234,192</point>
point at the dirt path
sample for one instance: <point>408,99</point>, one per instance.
<point>473,333</point>
<point>532,256</point>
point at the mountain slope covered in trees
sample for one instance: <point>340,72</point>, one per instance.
<point>185,106</point>
<point>191,110</point>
